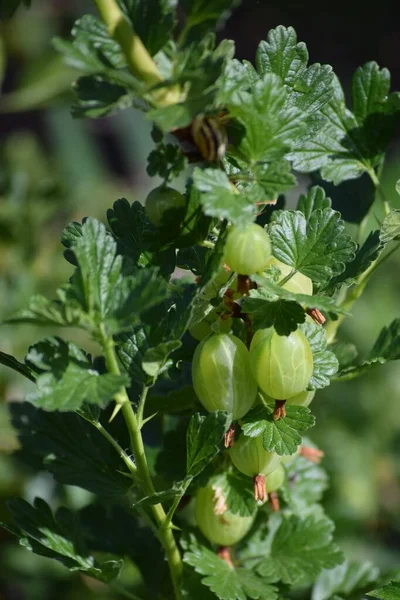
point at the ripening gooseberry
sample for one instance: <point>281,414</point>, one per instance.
<point>161,200</point>
<point>282,365</point>
<point>303,399</point>
<point>275,479</point>
<point>247,249</point>
<point>222,376</point>
<point>204,327</point>
<point>251,458</point>
<point>217,523</point>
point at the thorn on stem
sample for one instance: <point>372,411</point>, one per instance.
<point>279,410</point>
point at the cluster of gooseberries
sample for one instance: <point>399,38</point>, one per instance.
<point>227,375</point>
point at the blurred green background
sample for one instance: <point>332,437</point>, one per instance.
<point>54,170</point>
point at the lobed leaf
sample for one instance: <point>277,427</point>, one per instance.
<point>318,248</point>
<point>281,436</point>
<point>58,537</point>
<point>203,439</point>
<point>226,582</point>
<point>344,580</point>
<point>300,549</point>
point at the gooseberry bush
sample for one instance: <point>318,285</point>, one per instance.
<point>215,310</point>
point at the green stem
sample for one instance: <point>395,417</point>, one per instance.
<point>127,460</point>
<point>286,279</point>
<point>166,535</point>
<point>139,61</point>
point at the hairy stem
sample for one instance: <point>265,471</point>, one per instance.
<point>139,60</point>
<point>166,535</point>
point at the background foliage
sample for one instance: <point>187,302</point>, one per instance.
<point>54,170</point>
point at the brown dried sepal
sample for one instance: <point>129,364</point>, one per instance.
<point>229,437</point>
<point>224,553</point>
<point>274,501</point>
<point>244,285</point>
<point>316,315</point>
<point>312,454</point>
<point>220,506</point>
<point>279,410</point>
<point>260,490</point>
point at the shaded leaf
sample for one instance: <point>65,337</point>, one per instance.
<point>58,537</point>
<point>79,455</point>
<point>204,437</point>
<point>66,378</point>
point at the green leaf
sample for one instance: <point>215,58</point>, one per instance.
<point>269,291</point>
<point>262,181</point>
<point>284,315</point>
<point>12,363</point>
<point>58,537</point>
<point>386,348</point>
<point>300,549</point>
<point>131,347</point>
<point>104,294</point>
<point>315,199</point>
<point>177,490</point>
<point>96,97</point>
<point>205,15</point>
<point>203,439</point>
<point>281,436</point>
<point>304,485</point>
<point>345,580</point>
<point>325,361</point>
<point>220,199</point>
<point>167,161</point>
<point>318,248</point>
<point>365,256</point>
<point>67,377</point>
<point>79,455</point>
<point>309,88</point>
<point>64,311</point>
<point>351,143</point>
<point>153,21</point>
<point>387,592</point>
<point>155,358</point>
<point>225,582</point>
<point>197,68</point>
<point>238,493</point>
<point>265,110</point>
<point>128,223</point>
<point>390,228</point>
